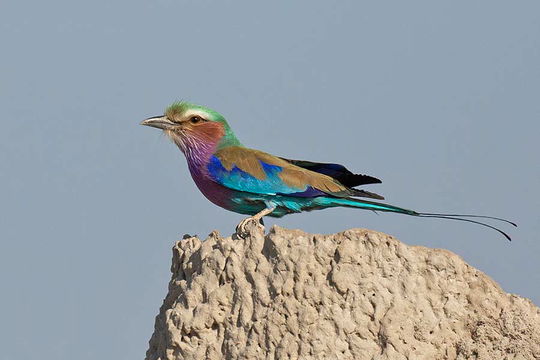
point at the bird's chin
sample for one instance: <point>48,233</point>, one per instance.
<point>177,138</point>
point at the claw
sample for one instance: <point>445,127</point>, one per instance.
<point>241,227</point>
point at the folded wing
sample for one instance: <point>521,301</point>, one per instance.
<point>336,171</point>
<point>257,172</point>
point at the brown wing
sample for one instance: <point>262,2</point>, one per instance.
<point>295,178</point>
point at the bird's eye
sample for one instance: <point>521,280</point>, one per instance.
<point>195,119</point>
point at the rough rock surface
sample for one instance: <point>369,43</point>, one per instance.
<point>359,294</point>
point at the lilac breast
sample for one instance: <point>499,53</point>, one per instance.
<point>213,191</point>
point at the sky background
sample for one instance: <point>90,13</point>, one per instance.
<point>439,100</point>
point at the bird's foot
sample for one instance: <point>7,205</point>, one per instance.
<point>241,228</point>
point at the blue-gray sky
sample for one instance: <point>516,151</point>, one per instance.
<point>439,100</point>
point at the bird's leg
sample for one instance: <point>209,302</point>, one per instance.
<point>241,228</point>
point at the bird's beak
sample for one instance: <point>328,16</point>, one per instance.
<point>160,122</point>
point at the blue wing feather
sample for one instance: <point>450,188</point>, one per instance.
<point>238,179</point>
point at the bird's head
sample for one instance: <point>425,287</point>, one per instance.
<point>194,128</point>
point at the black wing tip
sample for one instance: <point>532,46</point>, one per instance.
<point>361,179</point>
<point>336,171</point>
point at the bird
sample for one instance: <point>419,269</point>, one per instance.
<point>258,184</point>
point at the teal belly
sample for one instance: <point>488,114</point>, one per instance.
<point>251,204</point>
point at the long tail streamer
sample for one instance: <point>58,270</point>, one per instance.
<point>377,206</point>
<point>460,217</point>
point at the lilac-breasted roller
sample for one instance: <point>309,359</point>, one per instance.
<point>255,183</point>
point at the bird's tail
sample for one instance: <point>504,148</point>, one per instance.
<point>377,206</point>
